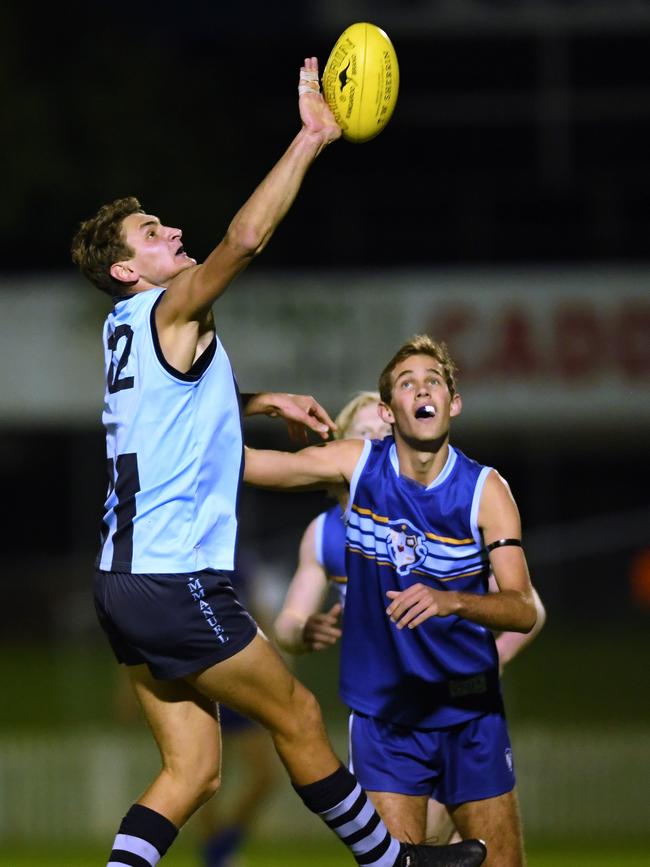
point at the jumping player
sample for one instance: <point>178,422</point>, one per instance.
<point>174,456</point>
<point>426,525</point>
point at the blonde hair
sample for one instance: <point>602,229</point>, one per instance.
<point>344,419</point>
<point>419,344</point>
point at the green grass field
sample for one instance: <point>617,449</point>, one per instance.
<point>559,682</point>
<point>62,689</point>
<point>327,854</point>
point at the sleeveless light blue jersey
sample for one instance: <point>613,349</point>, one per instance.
<point>330,547</point>
<point>174,449</point>
<point>399,533</point>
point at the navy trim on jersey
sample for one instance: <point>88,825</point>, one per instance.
<point>117,298</point>
<point>127,485</point>
<point>242,467</point>
<point>201,364</point>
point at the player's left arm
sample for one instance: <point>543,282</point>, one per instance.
<point>510,644</point>
<point>301,626</point>
<point>191,293</point>
<point>300,411</point>
<point>512,608</point>
<point>326,465</point>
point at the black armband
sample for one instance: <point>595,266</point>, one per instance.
<point>246,398</point>
<point>501,543</point>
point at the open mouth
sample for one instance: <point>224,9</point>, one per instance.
<point>426,411</point>
<point>180,251</point>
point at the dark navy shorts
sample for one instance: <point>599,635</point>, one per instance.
<point>466,762</point>
<point>177,624</point>
<point>233,721</point>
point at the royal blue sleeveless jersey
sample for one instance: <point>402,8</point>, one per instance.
<point>399,532</point>
<point>174,451</point>
<point>330,547</point>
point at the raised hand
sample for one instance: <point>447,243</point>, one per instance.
<point>315,113</point>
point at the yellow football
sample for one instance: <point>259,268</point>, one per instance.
<point>361,81</point>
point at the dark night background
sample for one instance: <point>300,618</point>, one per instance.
<point>521,138</point>
<point>512,143</point>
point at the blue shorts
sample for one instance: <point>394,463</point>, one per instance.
<point>466,762</point>
<point>177,624</point>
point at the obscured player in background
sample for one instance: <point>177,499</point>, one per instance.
<point>174,457</point>
<point>419,664</point>
<point>302,625</point>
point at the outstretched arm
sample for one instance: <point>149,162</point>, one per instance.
<point>512,608</point>
<point>300,626</point>
<point>322,466</point>
<point>192,293</point>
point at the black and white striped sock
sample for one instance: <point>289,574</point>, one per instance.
<point>143,838</point>
<point>344,806</point>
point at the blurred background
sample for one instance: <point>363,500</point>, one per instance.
<point>505,209</point>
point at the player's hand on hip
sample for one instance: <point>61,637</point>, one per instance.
<point>416,604</point>
<point>322,630</point>
<point>316,115</point>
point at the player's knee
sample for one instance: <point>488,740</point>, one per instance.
<point>295,717</point>
<point>211,787</point>
<point>207,783</point>
<point>198,779</point>
<point>307,715</point>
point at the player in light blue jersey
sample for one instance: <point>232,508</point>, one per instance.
<point>426,526</point>
<point>174,456</point>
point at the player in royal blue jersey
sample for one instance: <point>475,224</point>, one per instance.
<point>302,624</point>
<point>174,457</point>
<point>419,666</point>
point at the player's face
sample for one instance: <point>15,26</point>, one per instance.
<point>159,254</point>
<point>366,424</point>
<point>421,405</point>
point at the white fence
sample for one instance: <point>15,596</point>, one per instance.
<point>548,343</point>
<point>574,783</point>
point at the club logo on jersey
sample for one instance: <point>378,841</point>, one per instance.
<point>406,546</point>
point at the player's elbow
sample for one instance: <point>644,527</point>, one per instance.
<point>246,240</point>
<point>287,631</point>
<point>282,638</point>
<point>254,473</point>
<point>529,616</point>
<point>540,611</point>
